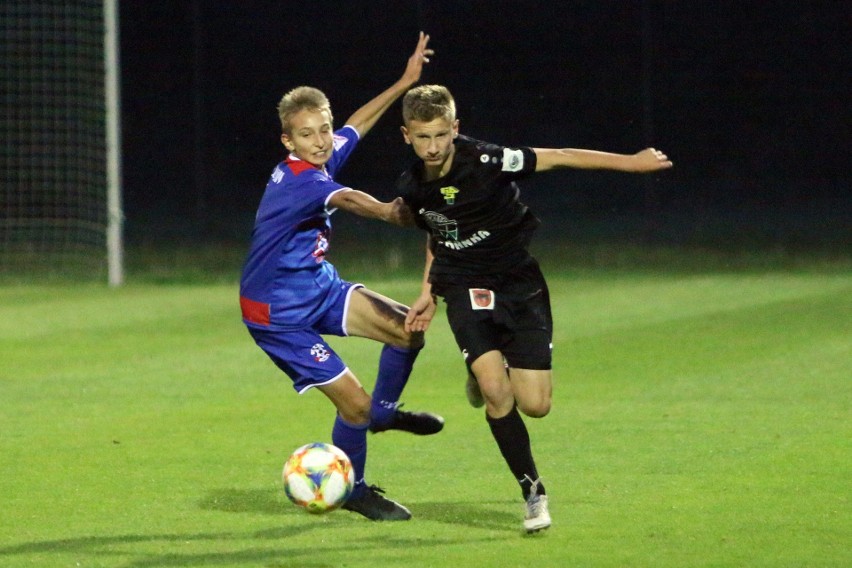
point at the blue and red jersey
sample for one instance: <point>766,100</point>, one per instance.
<point>286,283</point>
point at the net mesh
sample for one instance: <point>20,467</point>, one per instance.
<point>53,204</point>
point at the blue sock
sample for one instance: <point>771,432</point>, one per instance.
<point>352,440</point>
<point>395,366</point>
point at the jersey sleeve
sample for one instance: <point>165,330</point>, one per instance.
<point>297,197</point>
<point>319,190</point>
<point>406,187</point>
<point>511,163</point>
<point>345,141</point>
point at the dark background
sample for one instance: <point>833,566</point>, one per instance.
<point>751,100</point>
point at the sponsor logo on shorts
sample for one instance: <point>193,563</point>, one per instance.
<point>320,353</point>
<point>481,299</point>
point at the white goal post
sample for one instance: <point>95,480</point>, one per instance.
<point>112,103</point>
<point>60,140</point>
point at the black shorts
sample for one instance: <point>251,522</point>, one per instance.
<point>511,315</point>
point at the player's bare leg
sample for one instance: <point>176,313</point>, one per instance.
<point>378,317</point>
<point>494,384</point>
<point>350,399</point>
<point>533,390</point>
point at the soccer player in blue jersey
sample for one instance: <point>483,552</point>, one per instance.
<point>462,192</point>
<point>291,295</point>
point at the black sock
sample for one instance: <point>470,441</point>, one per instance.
<point>512,438</point>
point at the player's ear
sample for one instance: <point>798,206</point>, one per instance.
<point>456,128</point>
<point>287,142</point>
<point>404,131</point>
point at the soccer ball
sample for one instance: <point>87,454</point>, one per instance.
<point>318,477</point>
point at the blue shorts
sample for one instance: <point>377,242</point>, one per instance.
<point>303,354</point>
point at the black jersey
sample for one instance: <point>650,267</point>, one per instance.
<point>479,226</point>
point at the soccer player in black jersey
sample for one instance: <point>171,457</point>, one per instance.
<point>462,192</point>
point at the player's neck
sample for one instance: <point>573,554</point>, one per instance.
<point>436,172</point>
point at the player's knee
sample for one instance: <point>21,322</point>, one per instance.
<point>535,409</point>
<point>498,396</point>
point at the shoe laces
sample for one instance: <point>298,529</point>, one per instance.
<point>534,484</point>
<point>375,489</point>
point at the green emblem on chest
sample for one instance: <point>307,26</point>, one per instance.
<point>449,194</point>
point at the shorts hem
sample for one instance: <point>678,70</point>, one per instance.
<point>346,307</point>
<point>306,388</point>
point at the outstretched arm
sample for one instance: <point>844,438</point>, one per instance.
<point>647,160</point>
<point>366,116</point>
<point>395,212</point>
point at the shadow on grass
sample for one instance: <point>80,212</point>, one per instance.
<point>120,548</point>
<point>134,550</point>
<point>263,501</point>
<point>494,515</point>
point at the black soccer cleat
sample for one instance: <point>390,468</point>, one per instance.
<point>420,423</point>
<point>375,507</point>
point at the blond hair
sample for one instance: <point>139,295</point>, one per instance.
<point>428,102</point>
<point>299,99</point>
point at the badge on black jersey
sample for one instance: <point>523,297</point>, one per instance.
<point>513,160</point>
<point>449,194</point>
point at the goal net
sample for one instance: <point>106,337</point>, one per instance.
<point>59,200</point>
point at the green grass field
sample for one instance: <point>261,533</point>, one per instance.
<point>699,419</point>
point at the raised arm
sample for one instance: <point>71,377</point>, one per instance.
<point>647,160</point>
<point>365,117</point>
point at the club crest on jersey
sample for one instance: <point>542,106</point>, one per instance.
<point>449,194</point>
<point>481,299</point>
<point>339,141</point>
<point>320,353</point>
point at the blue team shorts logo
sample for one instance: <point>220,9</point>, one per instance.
<point>320,353</point>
